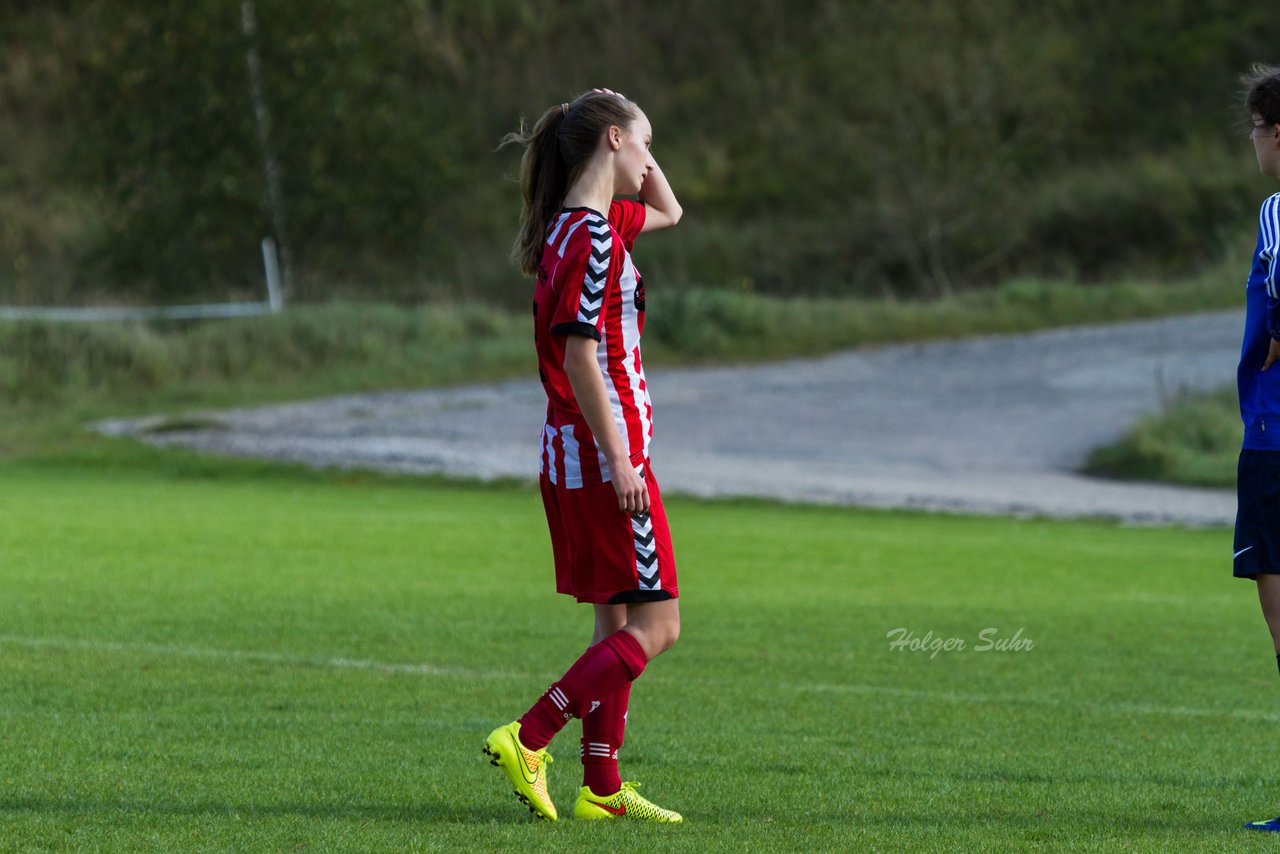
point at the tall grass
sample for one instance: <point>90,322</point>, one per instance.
<point>716,324</point>
<point>1194,440</point>
<point>306,350</point>
<point>337,347</point>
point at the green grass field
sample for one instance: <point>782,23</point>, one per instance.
<point>301,662</point>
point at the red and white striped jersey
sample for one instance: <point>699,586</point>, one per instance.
<point>587,285</point>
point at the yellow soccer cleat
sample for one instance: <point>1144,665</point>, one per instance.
<point>525,768</point>
<point>626,803</point>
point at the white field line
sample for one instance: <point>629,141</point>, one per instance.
<point>1123,709</point>
<point>287,659</point>
<point>280,658</point>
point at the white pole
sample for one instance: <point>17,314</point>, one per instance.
<point>262,118</point>
<point>275,293</point>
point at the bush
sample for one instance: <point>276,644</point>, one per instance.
<point>1164,213</point>
<point>1194,441</point>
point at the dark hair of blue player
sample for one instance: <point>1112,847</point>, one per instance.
<point>556,150</point>
<point>1262,92</point>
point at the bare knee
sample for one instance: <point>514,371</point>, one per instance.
<point>663,638</point>
<point>656,625</point>
<point>653,641</point>
<point>673,633</point>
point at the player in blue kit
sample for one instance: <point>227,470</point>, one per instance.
<point>1257,539</point>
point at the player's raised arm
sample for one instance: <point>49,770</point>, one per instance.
<point>661,208</point>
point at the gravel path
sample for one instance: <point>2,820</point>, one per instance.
<point>989,425</point>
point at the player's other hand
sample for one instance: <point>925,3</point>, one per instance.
<point>1272,355</point>
<point>610,92</point>
<point>633,492</point>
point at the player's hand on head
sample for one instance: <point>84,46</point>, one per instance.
<point>610,92</point>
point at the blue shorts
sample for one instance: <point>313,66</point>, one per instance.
<point>1257,543</point>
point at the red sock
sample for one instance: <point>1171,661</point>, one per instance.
<point>601,671</point>
<point>602,732</point>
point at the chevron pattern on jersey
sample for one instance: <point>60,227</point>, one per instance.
<point>592,300</point>
<point>646,551</point>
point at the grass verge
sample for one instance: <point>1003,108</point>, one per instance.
<point>1194,441</point>
<point>283,664</point>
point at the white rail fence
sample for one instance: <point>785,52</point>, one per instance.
<point>91,314</point>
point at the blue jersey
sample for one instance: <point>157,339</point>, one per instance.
<point>1260,392</point>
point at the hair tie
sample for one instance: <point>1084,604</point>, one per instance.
<point>564,110</point>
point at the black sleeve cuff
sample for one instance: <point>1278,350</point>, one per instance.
<point>577,327</point>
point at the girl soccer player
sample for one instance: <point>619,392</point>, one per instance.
<point>608,530</point>
<point>1257,540</point>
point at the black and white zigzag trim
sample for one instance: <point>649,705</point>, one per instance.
<point>646,551</point>
<point>592,300</point>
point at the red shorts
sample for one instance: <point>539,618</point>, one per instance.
<point>604,555</point>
